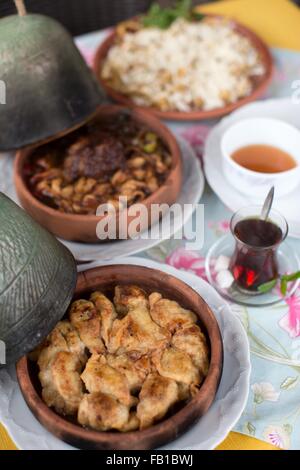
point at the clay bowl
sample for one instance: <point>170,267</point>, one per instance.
<point>259,86</point>
<point>82,228</point>
<point>106,278</point>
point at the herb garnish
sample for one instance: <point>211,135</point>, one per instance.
<point>163,17</point>
<point>283,280</point>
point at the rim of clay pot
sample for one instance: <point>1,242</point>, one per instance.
<point>142,116</point>
<point>164,431</point>
<point>257,91</point>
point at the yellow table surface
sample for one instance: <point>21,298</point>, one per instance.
<point>277,22</point>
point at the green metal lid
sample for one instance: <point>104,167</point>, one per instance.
<point>46,85</point>
<point>37,281</point>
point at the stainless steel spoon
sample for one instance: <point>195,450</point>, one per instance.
<point>267,205</point>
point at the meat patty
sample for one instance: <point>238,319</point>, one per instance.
<point>101,160</point>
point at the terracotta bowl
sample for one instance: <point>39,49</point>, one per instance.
<point>82,228</point>
<point>106,278</point>
<point>259,85</point>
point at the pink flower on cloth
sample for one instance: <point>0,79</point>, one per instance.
<point>196,137</point>
<point>291,321</point>
<point>222,226</point>
<point>188,261</point>
<point>278,436</point>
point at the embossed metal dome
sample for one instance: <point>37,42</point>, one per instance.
<point>37,281</point>
<point>49,88</point>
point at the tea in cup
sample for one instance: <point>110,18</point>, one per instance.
<point>254,261</point>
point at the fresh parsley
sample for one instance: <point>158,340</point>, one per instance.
<point>163,17</point>
<point>283,280</point>
<point>267,286</point>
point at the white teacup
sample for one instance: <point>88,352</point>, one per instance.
<point>261,131</point>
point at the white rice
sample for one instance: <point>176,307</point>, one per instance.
<point>191,65</point>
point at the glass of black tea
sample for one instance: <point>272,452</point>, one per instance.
<point>254,260</point>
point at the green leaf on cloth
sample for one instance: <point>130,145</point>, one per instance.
<point>289,383</point>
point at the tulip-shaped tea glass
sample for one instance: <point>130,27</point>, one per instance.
<point>254,261</point>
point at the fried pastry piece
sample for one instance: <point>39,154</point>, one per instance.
<point>137,332</point>
<point>135,369</point>
<point>107,312</point>
<point>62,387</point>
<point>176,365</point>
<point>168,313</point>
<point>157,395</point>
<point>64,337</point>
<point>132,424</point>
<point>185,391</point>
<point>128,298</point>
<point>87,320</point>
<point>60,363</point>
<point>98,376</point>
<point>191,340</point>
<point>102,412</point>
<point>71,335</point>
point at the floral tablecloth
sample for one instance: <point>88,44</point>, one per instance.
<point>273,409</point>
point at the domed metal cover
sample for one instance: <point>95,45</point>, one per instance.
<point>49,88</point>
<point>37,281</point>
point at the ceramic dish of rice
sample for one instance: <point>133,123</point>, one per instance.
<point>189,67</point>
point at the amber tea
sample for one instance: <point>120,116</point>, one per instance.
<point>264,159</point>
<point>254,261</point>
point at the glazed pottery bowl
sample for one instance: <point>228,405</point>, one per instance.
<point>83,228</point>
<point>37,279</point>
<point>105,279</point>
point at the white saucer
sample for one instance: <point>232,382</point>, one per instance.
<point>288,205</point>
<point>192,189</point>
<point>210,430</point>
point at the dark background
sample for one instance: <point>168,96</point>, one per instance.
<point>82,16</point>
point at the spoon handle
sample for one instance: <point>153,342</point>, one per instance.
<point>267,205</point>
